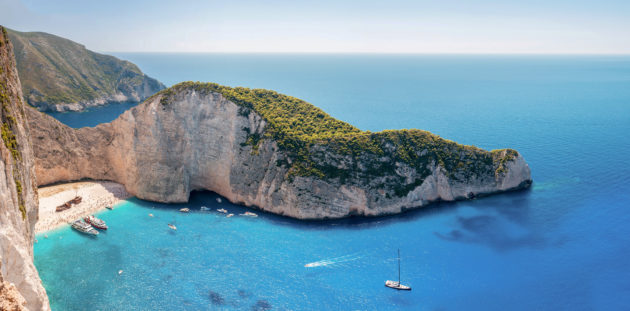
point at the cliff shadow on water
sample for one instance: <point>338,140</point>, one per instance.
<point>511,206</point>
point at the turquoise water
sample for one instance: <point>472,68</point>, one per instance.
<point>563,245</point>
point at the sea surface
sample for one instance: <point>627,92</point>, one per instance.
<point>563,245</point>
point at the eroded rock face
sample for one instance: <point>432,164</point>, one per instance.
<point>161,151</point>
<point>19,280</point>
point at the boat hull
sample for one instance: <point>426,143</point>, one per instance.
<point>397,286</point>
<point>96,224</point>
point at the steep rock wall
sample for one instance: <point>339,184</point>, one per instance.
<point>170,145</point>
<point>20,285</point>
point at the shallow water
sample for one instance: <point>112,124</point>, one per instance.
<point>561,245</point>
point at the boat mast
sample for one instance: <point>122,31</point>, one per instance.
<point>399,266</point>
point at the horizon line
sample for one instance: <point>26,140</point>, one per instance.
<point>383,53</point>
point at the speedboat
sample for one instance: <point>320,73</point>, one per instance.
<point>184,210</point>
<point>83,227</point>
<point>218,200</point>
<point>249,214</point>
<point>229,215</point>
<point>95,222</point>
<point>222,210</point>
<point>109,207</point>
<point>204,208</point>
<point>172,227</point>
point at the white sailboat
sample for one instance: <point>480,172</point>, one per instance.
<point>394,284</point>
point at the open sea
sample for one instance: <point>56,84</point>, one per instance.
<point>562,245</point>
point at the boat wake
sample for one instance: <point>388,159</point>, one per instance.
<point>332,261</point>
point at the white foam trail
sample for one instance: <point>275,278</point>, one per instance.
<point>332,261</point>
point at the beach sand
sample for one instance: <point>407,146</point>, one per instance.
<point>96,195</point>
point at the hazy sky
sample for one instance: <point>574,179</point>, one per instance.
<point>384,26</point>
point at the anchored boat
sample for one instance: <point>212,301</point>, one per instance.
<point>249,214</point>
<point>184,210</point>
<point>83,227</point>
<point>394,284</point>
<point>96,222</point>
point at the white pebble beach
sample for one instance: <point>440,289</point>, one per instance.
<point>96,196</point>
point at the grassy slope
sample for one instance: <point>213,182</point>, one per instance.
<point>56,70</point>
<point>298,126</point>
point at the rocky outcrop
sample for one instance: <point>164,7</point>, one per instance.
<point>61,75</point>
<point>232,141</point>
<point>20,285</point>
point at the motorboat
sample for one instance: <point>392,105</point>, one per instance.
<point>222,210</point>
<point>184,210</point>
<point>95,222</point>
<point>229,215</point>
<point>83,227</point>
<point>396,284</point>
<point>172,227</point>
<point>249,214</point>
<point>218,200</point>
<point>204,208</point>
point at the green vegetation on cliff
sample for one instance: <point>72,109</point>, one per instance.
<point>9,122</point>
<point>307,133</point>
<point>54,70</point>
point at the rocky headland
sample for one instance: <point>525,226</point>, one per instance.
<point>271,151</point>
<point>61,75</point>
<point>20,286</point>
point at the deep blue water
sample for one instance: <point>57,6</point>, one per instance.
<point>93,116</point>
<point>563,245</point>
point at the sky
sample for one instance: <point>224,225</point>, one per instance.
<point>332,26</point>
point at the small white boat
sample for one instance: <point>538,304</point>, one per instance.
<point>184,210</point>
<point>120,272</point>
<point>150,215</point>
<point>172,227</point>
<point>218,200</point>
<point>222,210</point>
<point>249,214</point>
<point>204,208</point>
<point>83,227</point>
<point>95,222</point>
<point>396,284</point>
<point>229,215</point>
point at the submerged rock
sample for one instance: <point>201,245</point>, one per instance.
<point>264,149</point>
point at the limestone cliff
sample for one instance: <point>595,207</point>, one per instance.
<point>268,150</point>
<point>61,75</point>
<point>20,285</point>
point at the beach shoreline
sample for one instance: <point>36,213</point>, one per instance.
<point>96,195</point>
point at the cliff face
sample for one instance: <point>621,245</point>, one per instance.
<point>60,75</point>
<point>20,285</point>
<point>268,150</point>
